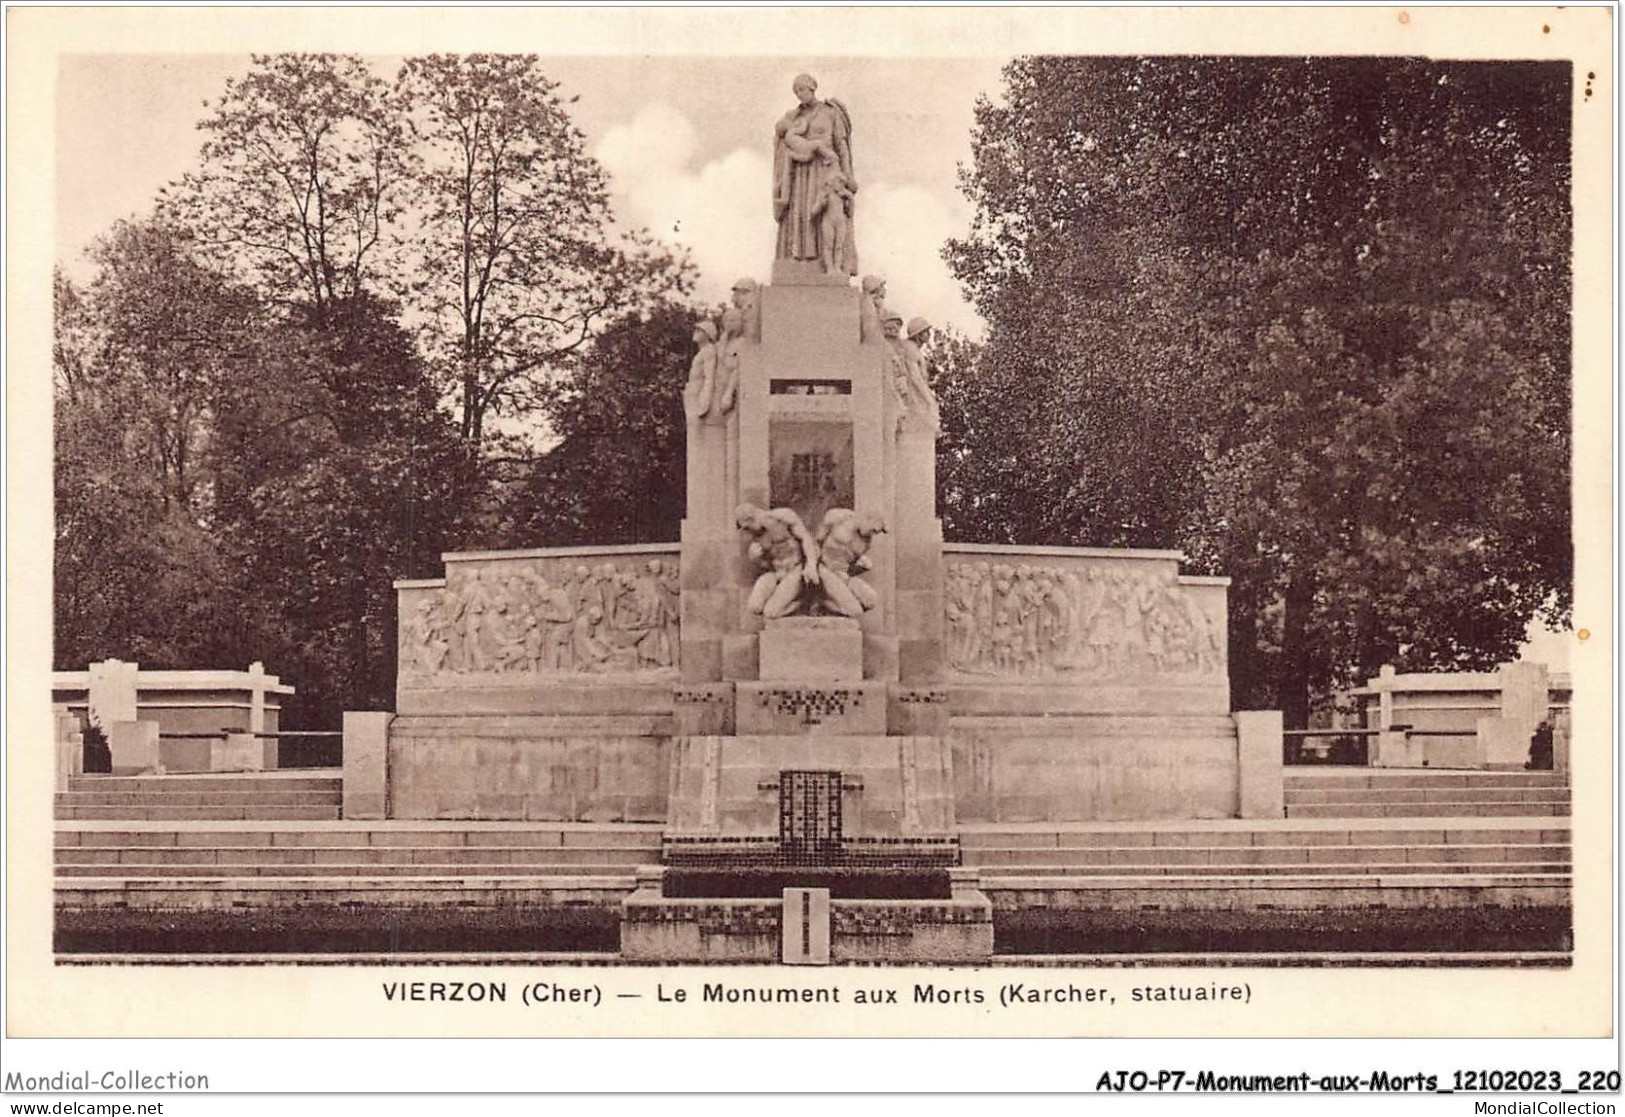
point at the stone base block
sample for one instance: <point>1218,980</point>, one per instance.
<point>916,711</point>
<point>784,708</point>
<point>239,752</point>
<point>1398,750</point>
<point>805,927</point>
<point>366,763</point>
<point>811,649</point>
<point>134,745</point>
<point>957,930</point>
<point>654,929</point>
<point>703,710</point>
<point>1501,743</point>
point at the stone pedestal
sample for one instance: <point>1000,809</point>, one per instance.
<point>70,747</point>
<point>366,764</point>
<point>112,693</point>
<point>1259,763</point>
<point>811,650</point>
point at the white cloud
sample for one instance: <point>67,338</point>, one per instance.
<point>722,212</point>
<point>901,230</point>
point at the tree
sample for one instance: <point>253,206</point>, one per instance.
<point>1305,319</point>
<point>141,356</point>
<point>617,475</point>
<point>234,482</point>
<point>299,180</point>
<point>517,264</point>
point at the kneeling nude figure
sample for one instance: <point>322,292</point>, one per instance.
<point>782,545</point>
<point>843,555</point>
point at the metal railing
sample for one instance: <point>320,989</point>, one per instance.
<point>1342,747</point>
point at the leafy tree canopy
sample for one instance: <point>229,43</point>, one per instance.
<point>1306,319</point>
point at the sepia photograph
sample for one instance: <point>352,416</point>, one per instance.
<point>772,522</point>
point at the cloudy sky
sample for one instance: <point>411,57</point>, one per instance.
<point>687,142</point>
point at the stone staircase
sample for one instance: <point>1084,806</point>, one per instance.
<point>261,864</point>
<point>309,795</point>
<point>1421,793</point>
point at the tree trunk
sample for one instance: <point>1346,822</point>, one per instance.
<point>1292,691</point>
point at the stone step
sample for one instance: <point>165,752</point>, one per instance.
<point>1282,881</point>
<point>1313,833</point>
<point>215,813</point>
<point>1277,891</point>
<point>1426,810</point>
<point>267,798</point>
<point>356,855</point>
<point>1428,795</point>
<point>1504,869</point>
<point>306,780</point>
<point>1345,778</point>
<point>329,833</point>
<point>1267,855</point>
<point>175,894</point>
<point>477,870</point>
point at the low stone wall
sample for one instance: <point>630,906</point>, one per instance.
<point>536,768</point>
<point>1091,767</point>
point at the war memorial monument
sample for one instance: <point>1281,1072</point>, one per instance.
<point>811,689</point>
<point>811,730</point>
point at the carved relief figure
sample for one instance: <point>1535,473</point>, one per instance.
<point>746,299</point>
<point>1038,621</point>
<point>812,146</point>
<point>843,555</point>
<point>701,372</point>
<point>514,618</point>
<point>423,638</point>
<point>785,551</point>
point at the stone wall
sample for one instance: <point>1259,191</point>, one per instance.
<point>1083,684</point>
<point>1094,767</point>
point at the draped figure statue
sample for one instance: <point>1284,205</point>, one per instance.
<point>813,183</point>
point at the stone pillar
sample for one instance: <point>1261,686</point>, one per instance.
<point>256,697</point>
<point>70,747</point>
<point>1391,748</point>
<point>1260,790</point>
<point>1384,686</point>
<point>1525,694</point>
<point>134,745</point>
<point>805,927</point>
<point>366,764</point>
<point>1562,722</point>
<point>112,693</point>
<point>919,557</point>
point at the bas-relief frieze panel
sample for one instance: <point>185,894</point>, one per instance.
<point>575,615</point>
<point>1076,620</point>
